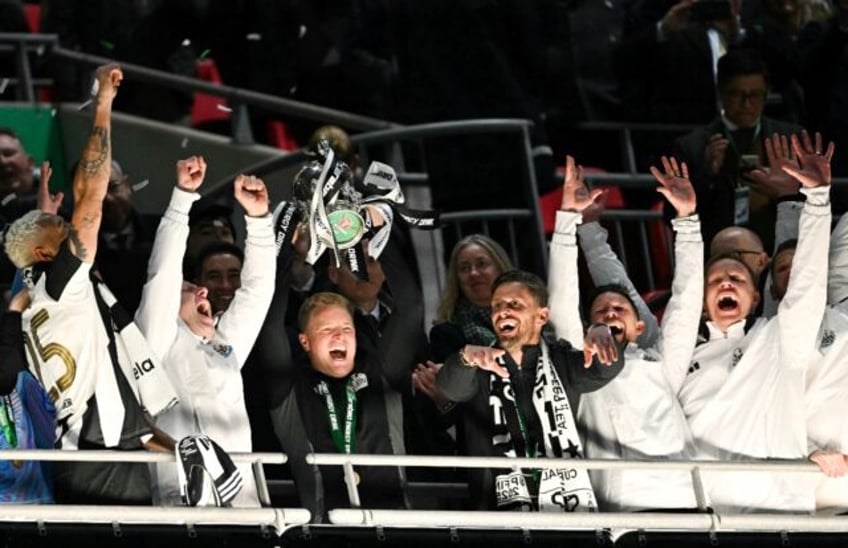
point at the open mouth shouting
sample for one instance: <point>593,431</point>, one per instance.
<point>507,326</point>
<point>338,354</point>
<point>727,304</point>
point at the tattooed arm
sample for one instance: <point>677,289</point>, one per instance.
<point>91,179</point>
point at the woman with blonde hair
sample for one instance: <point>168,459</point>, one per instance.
<point>463,315</point>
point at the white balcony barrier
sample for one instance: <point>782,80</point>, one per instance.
<point>279,519</point>
<point>705,521</point>
<point>273,519</point>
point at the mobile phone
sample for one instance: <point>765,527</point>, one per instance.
<point>711,10</point>
<point>748,163</point>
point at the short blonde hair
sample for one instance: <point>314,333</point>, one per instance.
<point>319,301</point>
<point>450,296</point>
<point>19,238</point>
<point>337,138</point>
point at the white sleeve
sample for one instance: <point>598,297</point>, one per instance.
<point>563,282</point>
<point>159,309</point>
<point>801,310</point>
<point>682,316</point>
<point>837,277</point>
<point>606,268</point>
<point>241,323</point>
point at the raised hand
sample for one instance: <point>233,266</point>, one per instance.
<point>814,170</point>
<point>599,342</point>
<point>485,358</point>
<point>190,173</point>
<point>108,78</point>
<point>251,193</point>
<point>715,153</point>
<point>301,240</point>
<point>46,202</point>
<point>675,186</point>
<point>593,212</point>
<point>774,182</point>
<point>575,195</point>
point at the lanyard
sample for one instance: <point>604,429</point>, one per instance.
<point>529,446</point>
<point>343,440</point>
<point>7,422</point>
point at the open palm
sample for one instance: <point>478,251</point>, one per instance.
<point>775,182</point>
<point>675,186</point>
<point>576,196</point>
<point>814,166</point>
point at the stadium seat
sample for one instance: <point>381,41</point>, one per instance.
<point>660,239</point>
<point>280,137</point>
<point>209,110</point>
<point>33,17</point>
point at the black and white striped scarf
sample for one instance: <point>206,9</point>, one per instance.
<point>562,489</point>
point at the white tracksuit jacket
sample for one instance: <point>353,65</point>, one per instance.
<point>206,375</point>
<point>743,391</point>
<point>636,415</point>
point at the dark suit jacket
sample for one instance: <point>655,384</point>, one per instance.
<point>125,270</point>
<point>668,81</point>
<point>716,194</point>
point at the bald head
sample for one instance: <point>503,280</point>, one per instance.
<point>742,242</point>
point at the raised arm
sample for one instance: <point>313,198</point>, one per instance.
<point>272,349</point>
<point>606,268</point>
<point>241,323</point>
<point>682,315</point>
<point>802,308</point>
<point>563,280</point>
<point>160,299</point>
<point>47,201</point>
<point>785,189</point>
<point>91,179</point>
<point>837,276</point>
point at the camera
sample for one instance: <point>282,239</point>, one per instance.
<point>711,10</point>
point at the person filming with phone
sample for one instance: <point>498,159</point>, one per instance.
<point>728,158</point>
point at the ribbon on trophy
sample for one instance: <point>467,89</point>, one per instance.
<point>286,222</point>
<point>383,192</point>
<point>339,216</point>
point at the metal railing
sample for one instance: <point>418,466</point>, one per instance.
<point>21,44</point>
<point>705,519</point>
<point>237,98</point>
<point>281,519</point>
<point>265,518</point>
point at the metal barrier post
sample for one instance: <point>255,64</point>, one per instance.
<point>242,133</point>
<point>25,90</point>
<point>350,479</point>
<point>698,486</point>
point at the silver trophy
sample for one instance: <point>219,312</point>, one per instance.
<point>326,196</point>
